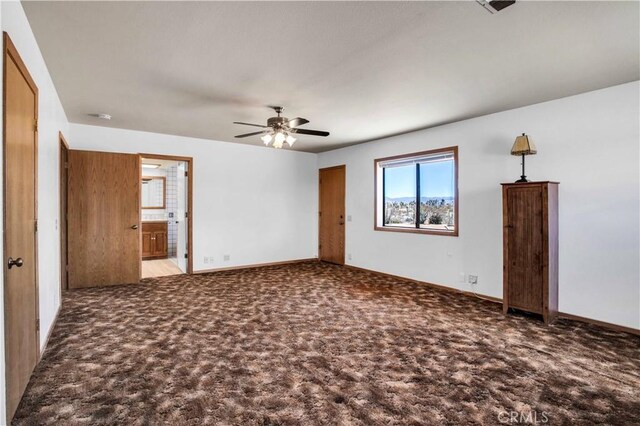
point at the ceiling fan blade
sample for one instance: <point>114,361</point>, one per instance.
<point>298,121</point>
<point>249,134</point>
<point>310,132</point>
<point>249,124</point>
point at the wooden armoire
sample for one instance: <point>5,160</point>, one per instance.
<point>530,248</point>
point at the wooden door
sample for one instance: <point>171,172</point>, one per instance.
<point>20,226</point>
<point>64,164</point>
<point>525,247</point>
<point>104,219</point>
<point>331,215</point>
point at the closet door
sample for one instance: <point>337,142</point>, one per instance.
<point>104,219</point>
<point>332,208</point>
<point>21,308</point>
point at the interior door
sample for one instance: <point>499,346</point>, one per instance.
<point>103,219</point>
<point>525,247</point>
<point>20,192</point>
<point>331,215</point>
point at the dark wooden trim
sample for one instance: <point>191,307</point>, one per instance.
<point>165,157</point>
<point>190,175</point>
<point>63,140</point>
<point>164,193</point>
<point>256,265</point>
<point>341,166</point>
<point>428,284</point>
<point>63,145</point>
<point>140,218</point>
<point>11,51</point>
<point>456,208</point>
<point>416,230</point>
<point>492,299</point>
<point>536,183</point>
<point>505,253</point>
<point>608,325</point>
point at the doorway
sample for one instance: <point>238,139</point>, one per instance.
<point>165,211</point>
<point>21,312</point>
<point>331,215</point>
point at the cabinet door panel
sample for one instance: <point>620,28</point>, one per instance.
<point>525,248</point>
<point>160,243</point>
<point>147,244</point>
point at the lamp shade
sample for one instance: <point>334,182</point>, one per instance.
<point>266,139</point>
<point>523,146</point>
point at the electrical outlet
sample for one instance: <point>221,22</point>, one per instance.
<point>473,279</point>
<point>206,260</point>
<point>227,257</point>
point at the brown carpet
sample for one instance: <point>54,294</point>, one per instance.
<point>319,344</point>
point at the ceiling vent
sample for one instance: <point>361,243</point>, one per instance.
<point>494,6</point>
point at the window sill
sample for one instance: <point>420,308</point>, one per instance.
<point>417,231</point>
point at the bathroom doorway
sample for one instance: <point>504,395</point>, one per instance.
<point>165,211</point>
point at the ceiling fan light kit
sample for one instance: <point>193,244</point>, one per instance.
<point>280,130</point>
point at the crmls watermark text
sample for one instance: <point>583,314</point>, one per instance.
<point>523,418</point>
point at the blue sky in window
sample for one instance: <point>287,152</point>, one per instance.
<point>436,180</point>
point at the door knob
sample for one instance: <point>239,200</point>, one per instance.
<point>18,262</point>
<point>134,226</point>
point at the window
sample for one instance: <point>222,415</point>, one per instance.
<point>418,192</point>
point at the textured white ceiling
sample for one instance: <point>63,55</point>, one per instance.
<point>361,70</point>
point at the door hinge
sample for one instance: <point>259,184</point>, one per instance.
<point>186,214</point>
<point>319,246</point>
<point>186,173</point>
<point>319,213</point>
<point>35,124</point>
<point>38,324</point>
<point>35,225</point>
<point>66,164</point>
<point>186,255</point>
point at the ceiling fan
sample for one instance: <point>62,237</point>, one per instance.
<point>281,129</point>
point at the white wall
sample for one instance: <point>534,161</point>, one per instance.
<point>256,204</point>
<point>589,143</point>
<point>52,119</point>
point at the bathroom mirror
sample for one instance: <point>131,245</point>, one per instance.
<point>154,192</point>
